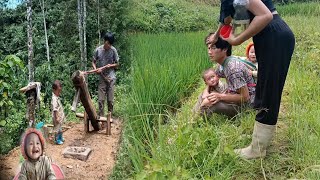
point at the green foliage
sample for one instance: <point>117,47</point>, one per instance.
<point>207,2</point>
<point>286,2</point>
<point>12,121</point>
<point>172,64</point>
<point>9,83</point>
<point>167,16</point>
<point>301,9</point>
<point>304,98</point>
<point>11,132</point>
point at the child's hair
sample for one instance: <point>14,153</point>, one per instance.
<point>56,84</point>
<point>206,72</point>
<point>248,49</point>
<point>25,138</point>
<point>207,37</point>
<point>222,44</point>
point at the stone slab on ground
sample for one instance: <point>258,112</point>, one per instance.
<point>81,153</point>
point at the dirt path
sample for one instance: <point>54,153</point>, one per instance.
<point>98,166</point>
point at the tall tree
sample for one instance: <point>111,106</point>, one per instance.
<point>82,32</point>
<point>45,31</point>
<point>30,44</point>
<point>98,21</point>
<point>31,94</point>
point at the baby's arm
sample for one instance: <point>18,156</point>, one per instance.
<point>205,93</point>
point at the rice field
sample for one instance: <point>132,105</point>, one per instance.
<point>161,141</point>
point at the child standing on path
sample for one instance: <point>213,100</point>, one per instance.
<point>57,111</point>
<point>36,165</point>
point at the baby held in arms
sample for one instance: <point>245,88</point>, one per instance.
<point>213,84</point>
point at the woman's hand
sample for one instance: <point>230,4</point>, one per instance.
<point>232,39</point>
<point>227,20</point>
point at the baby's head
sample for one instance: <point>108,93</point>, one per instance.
<point>210,77</point>
<point>250,52</point>
<point>32,144</point>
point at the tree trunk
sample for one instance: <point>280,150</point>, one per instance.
<point>84,35</point>
<point>80,27</point>
<point>30,46</point>
<point>99,33</point>
<point>31,102</point>
<point>45,32</point>
<point>80,84</point>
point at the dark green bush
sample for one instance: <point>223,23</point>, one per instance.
<point>168,16</point>
<point>12,121</point>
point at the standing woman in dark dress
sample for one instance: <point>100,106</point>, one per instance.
<point>274,44</point>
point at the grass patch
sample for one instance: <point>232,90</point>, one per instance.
<point>299,9</point>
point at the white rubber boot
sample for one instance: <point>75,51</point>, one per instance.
<point>261,138</point>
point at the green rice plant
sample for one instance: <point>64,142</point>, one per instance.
<point>188,147</point>
<point>165,70</point>
<point>303,101</point>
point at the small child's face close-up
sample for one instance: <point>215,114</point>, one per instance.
<point>33,146</point>
<point>252,54</point>
<point>211,79</point>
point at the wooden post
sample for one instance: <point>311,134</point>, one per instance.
<point>80,83</point>
<point>31,94</point>
<point>86,122</point>
<point>109,124</point>
<point>31,107</point>
<point>75,101</point>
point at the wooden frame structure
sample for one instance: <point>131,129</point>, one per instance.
<point>86,120</point>
<point>90,113</point>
